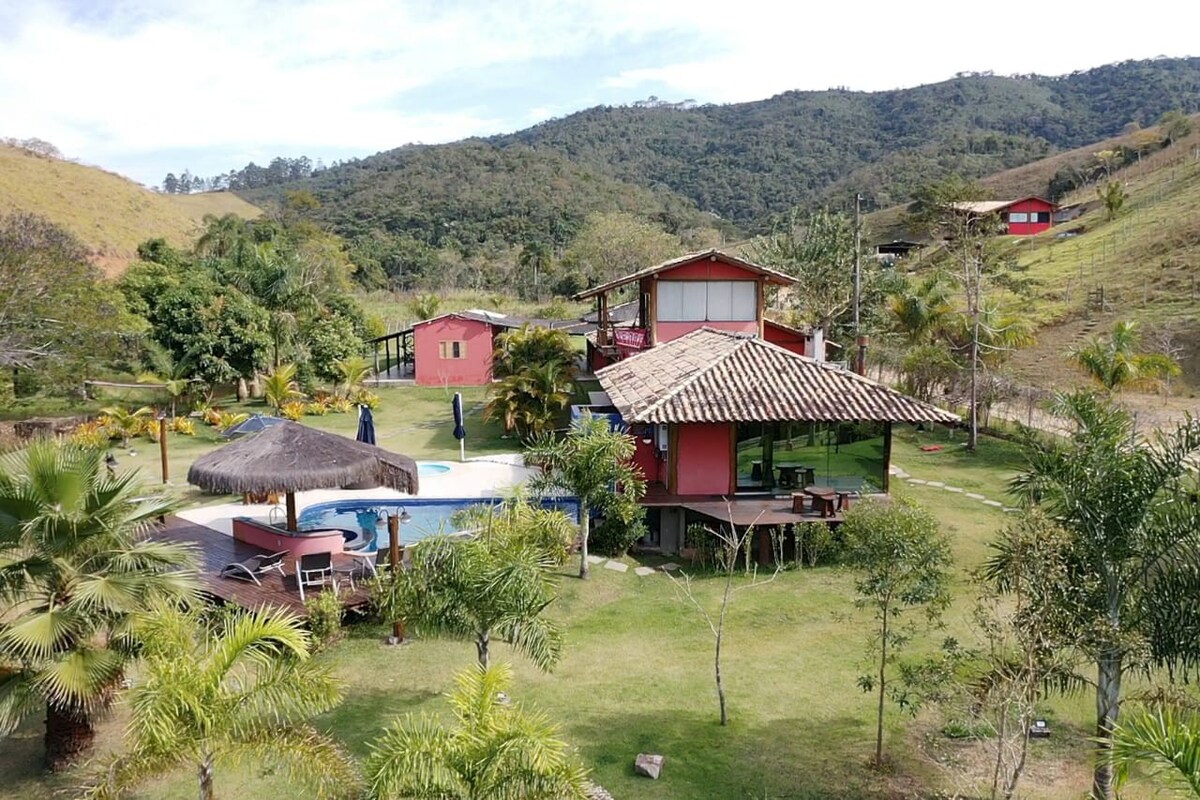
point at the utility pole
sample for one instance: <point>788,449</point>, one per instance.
<point>860,341</point>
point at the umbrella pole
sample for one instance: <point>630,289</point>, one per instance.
<point>291,511</point>
<point>394,559</point>
<point>462,449</point>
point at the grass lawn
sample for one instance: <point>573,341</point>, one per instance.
<point>637,674</point>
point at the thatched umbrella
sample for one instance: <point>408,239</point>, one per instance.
<point>291,458</point>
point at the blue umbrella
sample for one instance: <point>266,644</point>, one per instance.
<point>460,432</point>
<point>254,424</point>
<point>366,425</point>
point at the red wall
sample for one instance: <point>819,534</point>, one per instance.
<point>431,370</point>
<point>1030,228</point>
<point>704,460</point>
<point>785,338</point>
<point>702,270</point>
<point>646,458</point>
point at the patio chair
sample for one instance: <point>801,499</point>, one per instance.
<point>251,568</point>
<point>315,569</point>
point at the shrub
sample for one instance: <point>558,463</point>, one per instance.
<point>183,425</point>
<point>293,409</point>
<point>341,405</point>
<point>612,537</point>
<point>814,543</point>
<point>324,618</point>
<point>316,409</point>
<point>368,399</point>
<point>227,419</point>
<point>90,434</point>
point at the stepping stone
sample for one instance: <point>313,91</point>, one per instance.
<point>993,503</point>
<point>975,496</point>
<point>670,566</point>
<point>916,481</point>
<point>616,566</point>
<point>955,489</point>
<point>596,559</point>
<point>1008,510</point>
<point>936,484</point>
<point>643,571</point>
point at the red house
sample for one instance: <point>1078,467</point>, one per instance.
<point>1024,217</point>
<point>725,421</point>
<point>453,349</point>
<point>708,289</point>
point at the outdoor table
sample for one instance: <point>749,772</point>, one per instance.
<point>787,473</point>
<point>824,498</point>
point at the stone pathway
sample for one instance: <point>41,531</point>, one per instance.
<point>899,473</point>
<point>621,566</point>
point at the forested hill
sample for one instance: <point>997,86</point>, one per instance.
<point>732,167</point>
<point>751,160</point>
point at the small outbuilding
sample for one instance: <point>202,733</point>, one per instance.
<point>1025,216</point>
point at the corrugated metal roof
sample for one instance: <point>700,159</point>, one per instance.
<point>772,276</point>
<point>716,376</point>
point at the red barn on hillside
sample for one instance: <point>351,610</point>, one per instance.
<point>1023,217</point>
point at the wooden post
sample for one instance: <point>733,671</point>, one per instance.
<point>162,447</point>
<point>887,456</point>
<point>291,511</point>
<point>393,524</point>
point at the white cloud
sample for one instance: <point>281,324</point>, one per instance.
<point>234,77</point>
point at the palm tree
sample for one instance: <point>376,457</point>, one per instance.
<point>280,386</point>
<point>125,422</point>
<point>546,390</point>
<point>75,565</point>
<point>425,306</point>
<point>495,584</point>
<point>1114,363</point>
<point>1165,740</point>
<point>1134,540</point>
<point>496,751</point>
<point>594,463</point>
<point>236,686</point>
<point>919,314</point>
<point>352,373</point>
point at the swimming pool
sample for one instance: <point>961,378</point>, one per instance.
<point>428,469</point>
<point>429,516</point>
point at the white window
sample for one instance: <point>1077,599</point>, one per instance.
<point>1017,216</point>
<point>716,301</point>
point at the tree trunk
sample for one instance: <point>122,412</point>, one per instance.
<point>1001,733</point>
<point>585,524</point>
<point>243,391</point>
<point>205,774</point>
<point>69,735</point>
<point>1108,705</point>
<point>883,644</point>
<point>720,633</point>
<point>482,645</point>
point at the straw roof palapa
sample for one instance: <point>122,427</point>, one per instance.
<point>290,457</point>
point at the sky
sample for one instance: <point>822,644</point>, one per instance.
<point>146,87</point>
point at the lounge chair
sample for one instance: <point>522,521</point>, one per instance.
<point>315,569</point>
<point>251,568</point>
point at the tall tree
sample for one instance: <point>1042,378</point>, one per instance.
<point>615,244</point>
<point>902,563</point>
<point>818,250</point>
<point>943,211</point>
<point>228,686</point>
<point>1134,540</point>
<point>496,749</point>
<point>594,463</point>
<point>75,567</point>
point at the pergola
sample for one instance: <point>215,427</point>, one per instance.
<point>290,457</point>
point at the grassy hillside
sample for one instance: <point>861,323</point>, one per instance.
<point>110,214</point>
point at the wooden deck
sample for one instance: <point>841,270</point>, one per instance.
<point>215,549</point>
<point>740,510</point>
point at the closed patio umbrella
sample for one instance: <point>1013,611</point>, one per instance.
<point>366,425</point>
<point>460,431</point>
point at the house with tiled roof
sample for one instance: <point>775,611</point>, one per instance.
<point>731,426</point>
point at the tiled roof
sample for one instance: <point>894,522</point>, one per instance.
<point>716,376</point>
<point>772,275</point>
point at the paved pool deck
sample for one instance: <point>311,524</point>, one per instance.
<point>482,476</point>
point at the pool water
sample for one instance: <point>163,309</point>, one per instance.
<point>429,517</point>
<point>427,469</point>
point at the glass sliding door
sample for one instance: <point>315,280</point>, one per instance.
<point>786,456</point>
